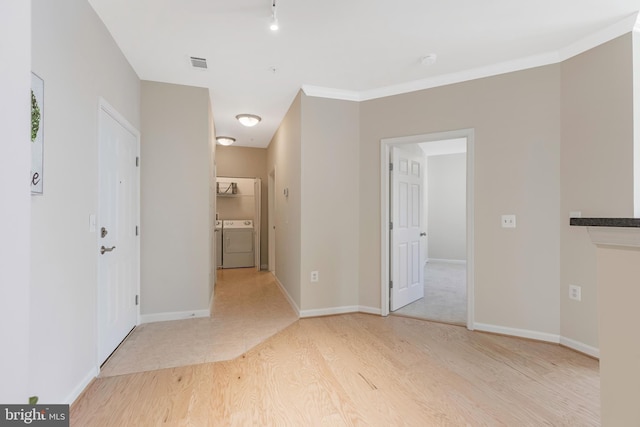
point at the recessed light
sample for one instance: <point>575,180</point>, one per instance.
<point>225,140</point>
<point>248,120</point>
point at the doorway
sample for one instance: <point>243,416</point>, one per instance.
<point>118,245</point>
<point>448,270</point>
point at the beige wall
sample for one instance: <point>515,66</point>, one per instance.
<point>175,232</point>
<point>597,169</point>
<point>15,163</point>
<point>283,156</point>
<point>247,162</point>
<point>618,269</point>
<point>79,62</point>
<point>516,118</point>
<point>447,206</point>
<point>330,188</point>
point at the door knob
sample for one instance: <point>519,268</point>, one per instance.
<point>103,249</point>
<point>423,234</point>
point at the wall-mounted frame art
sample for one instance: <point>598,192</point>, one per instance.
<point>37,134</point>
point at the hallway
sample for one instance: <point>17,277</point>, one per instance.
<point>248,308</point>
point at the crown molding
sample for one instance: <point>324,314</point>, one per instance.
<point>626,25</point>
<point>327,92</point>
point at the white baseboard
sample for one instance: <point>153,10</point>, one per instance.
<point>514,332</point>
<point>175,315</point>
<point>77,391</point>
<point>580,347</point>
<point>292,303</point>
<point>448,261</point>
<point>369,310</point>
<point>329,311</point>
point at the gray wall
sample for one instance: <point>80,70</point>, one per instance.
<point>597,168</point>
<point>330,189</point>
<point>79,62</point>
<point>516,118</point>
<point>15,163</point>
<point>447,207</point>
<point>283,156</point>
<point>175,236</point>
<point>246,162</point>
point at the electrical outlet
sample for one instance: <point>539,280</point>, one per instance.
<point>508,221</point>
<point>575,292</point>
<point>315,276</point>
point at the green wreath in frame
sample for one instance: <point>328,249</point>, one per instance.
<point>35,117</point>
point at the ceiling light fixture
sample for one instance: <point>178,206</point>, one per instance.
<point>248,120</point>
<point>225,140</point>
<point>273,26</point>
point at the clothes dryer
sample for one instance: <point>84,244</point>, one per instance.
<point>238,248</point>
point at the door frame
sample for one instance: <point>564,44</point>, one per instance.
<point>385,217</point>
<point>271,219</point>
<point>104,106</point>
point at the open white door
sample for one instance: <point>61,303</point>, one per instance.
<point>257,191</point>
<point>118,245</point>
<point>407,273</point>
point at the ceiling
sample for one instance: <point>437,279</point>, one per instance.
<point>346,49</point>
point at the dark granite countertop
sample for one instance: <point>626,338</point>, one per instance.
<point>606,222</point>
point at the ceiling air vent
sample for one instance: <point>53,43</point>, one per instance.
<point>200,63</point>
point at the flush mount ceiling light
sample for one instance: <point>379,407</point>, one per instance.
<point>273,26</point>
<point>248,120</point>
<point>225,140</point>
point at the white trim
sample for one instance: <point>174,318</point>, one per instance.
<point>602,36</point>
<point>589,42</point>
<point>369,310</point>
<point>385,149</point>
<point>448,261</point>
<point>580,347</point>
<point>82,385</point>
<point>327,92</point>
<point>330,311</point>
<point>521,333</point>
<point>174,315</point>
<point>287,296</point>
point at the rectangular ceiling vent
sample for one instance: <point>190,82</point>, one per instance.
<point>200,63</point>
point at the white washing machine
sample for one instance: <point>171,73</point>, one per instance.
<point>218,232</point>
<point>237,238</point>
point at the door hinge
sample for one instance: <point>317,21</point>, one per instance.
<point>137,161</point>
<point>390,284</point>
<point>390,166</point>
<point>137,231</point>
<point>390,225</point>
<point>137,299</point>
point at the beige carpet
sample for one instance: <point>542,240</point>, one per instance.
<point>248,308</point>
<point>445,294</point>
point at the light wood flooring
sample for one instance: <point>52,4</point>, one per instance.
<point>359,369</point>
<point>248,307</point>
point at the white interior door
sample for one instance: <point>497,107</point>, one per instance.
<point>407,273</point>
<point>118,244</point>
<point>257,191</point>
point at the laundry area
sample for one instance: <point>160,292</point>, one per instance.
<point>237,227</point>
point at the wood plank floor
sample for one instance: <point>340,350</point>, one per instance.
<point>359,369</point>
